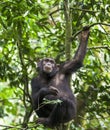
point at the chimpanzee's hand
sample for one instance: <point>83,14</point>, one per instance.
<point>44,91</point>
<point>53,90</point>
<point>85,33</point>
<point>85,28</point>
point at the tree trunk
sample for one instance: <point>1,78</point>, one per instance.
<point>68,29</point>
<point>68,42</point>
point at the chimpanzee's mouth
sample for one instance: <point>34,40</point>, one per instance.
<point>48,69</point>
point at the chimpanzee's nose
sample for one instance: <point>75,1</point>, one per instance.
<point>49,64</point>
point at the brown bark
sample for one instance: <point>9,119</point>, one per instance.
<point>68,29</point>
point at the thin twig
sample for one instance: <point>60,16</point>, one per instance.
<point>57,10</point>
<point>100,47</point>
<point>85,10</point>
<point>7,126</point>
<point>53,20</point>
<point>79,9</point>
<point>99,23</point>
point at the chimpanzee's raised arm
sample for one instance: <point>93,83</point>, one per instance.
<point>76,62</point>
<point>80,53</point>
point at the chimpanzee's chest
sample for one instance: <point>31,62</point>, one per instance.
<point>57,80</point>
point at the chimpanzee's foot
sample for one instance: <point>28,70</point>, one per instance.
<point>45,122</point>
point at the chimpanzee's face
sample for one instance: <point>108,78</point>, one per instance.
<point>48,65</point>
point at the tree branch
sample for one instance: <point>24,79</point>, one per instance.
<point>99,47</point>
<point>52,19</point>
<point>99,23</point>
<point>84,10</point>
<point>57,10</point>
<point>26,95</point>
<point>53,12</point>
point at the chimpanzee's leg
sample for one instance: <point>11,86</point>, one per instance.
<point>56,116</point>
<point>62,112</point>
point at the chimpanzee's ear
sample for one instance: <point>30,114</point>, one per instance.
<point>39,64</point>
<point>58,66</point>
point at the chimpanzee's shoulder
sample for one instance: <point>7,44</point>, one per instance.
<point>34,79</point>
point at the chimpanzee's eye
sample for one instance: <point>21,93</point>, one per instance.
<point>49,60</point>
<point>46,60</point>
<point>52,61</point>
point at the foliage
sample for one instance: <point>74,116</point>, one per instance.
<point>32,29</point>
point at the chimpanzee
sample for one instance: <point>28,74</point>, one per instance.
<point>52,83</point>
